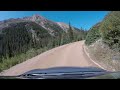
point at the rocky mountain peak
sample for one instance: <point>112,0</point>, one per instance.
<point>37,17</point>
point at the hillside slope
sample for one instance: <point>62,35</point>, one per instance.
<point>103,41</point>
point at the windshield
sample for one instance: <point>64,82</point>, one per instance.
<point>59,44</point>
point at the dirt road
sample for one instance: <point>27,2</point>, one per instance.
<point>67,55</point>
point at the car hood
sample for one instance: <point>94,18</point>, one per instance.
<point>65,70</point>
<point>63,73</point>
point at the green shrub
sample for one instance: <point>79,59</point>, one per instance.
<point>93,34</point>
<point>110,30</point>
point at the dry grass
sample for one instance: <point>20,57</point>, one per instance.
<point>103,55</point>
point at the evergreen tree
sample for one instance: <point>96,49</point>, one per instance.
<point>70,31</point>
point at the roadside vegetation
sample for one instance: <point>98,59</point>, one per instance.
<point>9,62</point>
<point>93,34</point>
<point>103,41</point>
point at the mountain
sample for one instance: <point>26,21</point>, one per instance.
<point>52,27</point>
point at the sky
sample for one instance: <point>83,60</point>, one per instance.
<point>84,19</point>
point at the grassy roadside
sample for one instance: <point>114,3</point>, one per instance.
<point>9,62</point>
<point>102,54</point>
